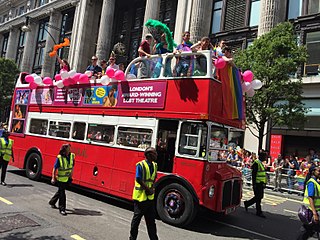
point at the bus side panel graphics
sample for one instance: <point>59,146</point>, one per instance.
<point>20,111</point>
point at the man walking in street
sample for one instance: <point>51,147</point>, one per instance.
<point>143,195</point>
<point>259,181</point>
<point>62,174</point>
<point>6,153</point>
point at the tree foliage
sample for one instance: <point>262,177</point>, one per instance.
<point>8,76</point>
<point>275,58</point>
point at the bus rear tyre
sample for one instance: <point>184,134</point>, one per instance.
<point>175,205</point>
<point>34,166</point>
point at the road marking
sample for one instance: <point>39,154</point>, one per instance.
<point>246,230</point>
<point>77,237</point>
<point>289,211</point>
<point>5,201</point>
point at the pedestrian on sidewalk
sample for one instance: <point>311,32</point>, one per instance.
<point>259,181</point>
<point>6,154</point>
<point>277,167</point>
<point>62,175</point>
<point>143,195</point>
<point>312,201</point>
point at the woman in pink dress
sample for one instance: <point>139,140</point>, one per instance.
<point>64,65</point>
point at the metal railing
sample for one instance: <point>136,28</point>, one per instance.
<point>289,180</point>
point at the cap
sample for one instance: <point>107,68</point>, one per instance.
<point>150,150</point>
<point>148,35</point>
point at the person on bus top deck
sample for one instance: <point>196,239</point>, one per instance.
<point>6,153</point>
<point>227,55</point>
<point>143,195</point>
<point>145,50</point>
<point>62,175</point>
<point>259,181</point>
<point>183,67</point>
<point>64,65</point>
<point>94,67</point>
<point>310,200</point>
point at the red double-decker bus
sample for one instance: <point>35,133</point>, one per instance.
<point>109,127</point>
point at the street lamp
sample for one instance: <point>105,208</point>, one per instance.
<point>26,27</point>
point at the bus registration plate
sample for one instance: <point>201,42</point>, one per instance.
<point>230,210</point>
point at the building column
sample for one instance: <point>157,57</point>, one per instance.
<point>49,62</point>
<point>200,19</point>
<point>272,12</point>
<point>105,29</point>
<point>79,44</point>
<point>12,44</point>
<point>182,19</point>
<point>29,49</point>
<point>151,12</point>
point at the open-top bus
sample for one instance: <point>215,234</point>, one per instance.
<point>109,127</point>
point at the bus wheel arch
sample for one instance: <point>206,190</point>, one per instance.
<point>176,200</point>
<point>33,164</point>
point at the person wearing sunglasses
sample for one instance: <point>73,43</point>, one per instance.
<point>94,67</point>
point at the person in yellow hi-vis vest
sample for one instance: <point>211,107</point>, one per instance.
<point>311,200</point>
<point>6,154</point>
<point>259,181</point>
<point>143,195</point>
<point>62,175</point>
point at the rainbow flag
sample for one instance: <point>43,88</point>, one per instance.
<point>230,78</point>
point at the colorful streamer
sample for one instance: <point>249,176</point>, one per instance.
<point>232,92</point>
<point>56,47</point>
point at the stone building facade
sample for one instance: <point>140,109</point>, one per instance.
<point>96,26</point>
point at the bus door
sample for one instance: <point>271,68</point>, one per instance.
<point>166,141</point>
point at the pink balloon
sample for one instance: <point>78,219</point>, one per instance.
<point>76,77</point>
<point>119,75</point>
<point>72,81</point>
<point>57,77</point>
<point>84,78</point>
<point>219,63</point>
<point>247,76</point>
<point>33,85</point>
<point>66,82</point>
<point>29,79</point>
<point>110,72</point>
<point>47,80</point>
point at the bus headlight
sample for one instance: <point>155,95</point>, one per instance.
<point>211,191</point>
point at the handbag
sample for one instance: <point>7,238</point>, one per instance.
<point>305,215</point>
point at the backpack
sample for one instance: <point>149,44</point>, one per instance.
<point>305,215</point>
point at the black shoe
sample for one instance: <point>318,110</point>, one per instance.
<point>3,184</point>
<point>261,215</point>
<point>63,213</point>
<point>245,206</point>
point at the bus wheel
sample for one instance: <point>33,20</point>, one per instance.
<point>175,205</point>
<point>34,166</point>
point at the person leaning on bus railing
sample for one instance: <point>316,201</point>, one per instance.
<point>259,181</point>
<point>312,201</point>
<point>6,153</point>
<point>62,175</point>
<point>143,195</point>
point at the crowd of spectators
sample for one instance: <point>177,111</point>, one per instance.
<point>292,169</point>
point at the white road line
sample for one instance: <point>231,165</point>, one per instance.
<point>289,211</point>
<point>5,201</point>
<point>77,237</point>
<point>246,230</point>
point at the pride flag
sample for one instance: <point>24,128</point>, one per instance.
<point>230,78</point>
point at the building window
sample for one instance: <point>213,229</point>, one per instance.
<point>313,46</point>
<point>42,2</point>
<point>21,10</point>
<point>66,32</point>
<point>313,6</point>
<point>294,8</point>
<point>216,16</point>
<point>235,14</point>
<point>4,45</point>
<point>41,43</point>
<point>20,48</point>
<point>254,13</point>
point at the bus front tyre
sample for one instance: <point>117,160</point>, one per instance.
<point>34,166</point>
<point>175,205</point>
